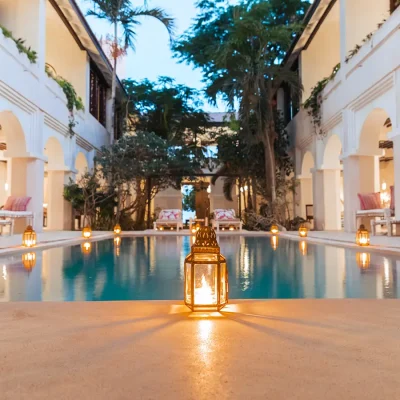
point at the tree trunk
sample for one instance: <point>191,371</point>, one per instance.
<point>114,83</point>
<point>270,177</point>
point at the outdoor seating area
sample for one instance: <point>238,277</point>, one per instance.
<point>169,219</point>
<point>15,208</point>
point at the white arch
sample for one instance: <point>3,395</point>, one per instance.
<point>81,165</point>
<point>307,165</point>
<point>55,154</point>
<point>332,151</point>
<point>12,133</point>
<point>371,132</point>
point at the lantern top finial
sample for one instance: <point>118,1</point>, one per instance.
<point>206,241</point>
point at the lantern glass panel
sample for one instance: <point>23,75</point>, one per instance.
<point>223,293</point>
<point>188,283</point>
<point>205,257</point>
<point>205,284</point>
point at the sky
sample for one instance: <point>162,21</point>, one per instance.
<point>153,56</point>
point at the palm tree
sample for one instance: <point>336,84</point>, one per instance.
<point>120,13</point>
<point>240,50</point>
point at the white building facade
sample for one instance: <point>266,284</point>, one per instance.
<point>39,152</point>
<point>356,148</point>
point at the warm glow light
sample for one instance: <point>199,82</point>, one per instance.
<point>194,230</point>
<point>29,260</point>
<point>303,232</point>
<point>6,187</point>
<point>274,242</point>
<point>231,228</point>
<point>204,293</point>
<point>87,232</point>
<point>384,186</point>
<point>363,260</point>
<point>362,236</point>
<point>161,228</point>
<point>86,247</point>
<point>117,229</point>
<point>29,237</point>
<point>274,229</point>
<point>117,241</point>
<point>303,247</point>
<point>209,189</point>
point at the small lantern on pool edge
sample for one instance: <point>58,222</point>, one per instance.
<point>29,237</point>
<point>29,261</point>
<point>206,274</point>
<point>117,229</point>
<point>274,242</point>
<point>363,260</point>
<point>274,229</point>
<point>87,232</point>
<point>303,231</point>
<point>362,236</point>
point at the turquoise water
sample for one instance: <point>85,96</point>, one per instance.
<point>150,268</point>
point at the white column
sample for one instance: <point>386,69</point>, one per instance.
<point>396,157</point>
<point>59,211</point>
<point>26,178</point>
<point>360,176</point>
<point>318,199</point>
<point>305,192</point>
<point>332,208</point>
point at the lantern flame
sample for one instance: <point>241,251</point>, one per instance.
<point>204,294</point>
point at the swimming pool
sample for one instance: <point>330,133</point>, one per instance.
<point>151,268</point>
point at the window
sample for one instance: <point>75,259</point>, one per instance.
<point>394,4</point>
<point>98,95</point>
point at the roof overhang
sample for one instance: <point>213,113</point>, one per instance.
<point>313,19</point>
<point>77,24</point>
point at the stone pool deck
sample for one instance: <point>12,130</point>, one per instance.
<point>278,349</point>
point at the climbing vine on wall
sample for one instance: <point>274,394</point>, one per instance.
<point>20,43</point>
<point>313,103</point>
<point>74,102</point>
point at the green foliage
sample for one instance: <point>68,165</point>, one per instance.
<point>313,103</point>
<point>73,100</point>
<point>189,200</point>
<point>20,43</point>
<point>171,111</point>
<point>240,49</point>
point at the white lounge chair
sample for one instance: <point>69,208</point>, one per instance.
<point>169,219</point>
<point>224,218</point>
<point>15,208</point>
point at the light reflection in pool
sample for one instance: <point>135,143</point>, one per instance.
<point>152,269</point>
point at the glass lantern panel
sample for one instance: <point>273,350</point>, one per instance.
<point>205,284</point>
<point>224,285</point>
<point>205,257</point>
<point>188,283</point>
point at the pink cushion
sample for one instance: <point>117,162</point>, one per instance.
<point>21,203</point>
<point>220,214</point>
<point>170,215</point>
<point>370,201</point>
<point>392,206</point>
<point>9,203</point>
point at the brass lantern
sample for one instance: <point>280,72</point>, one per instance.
<point>86,247</point>
<point>274,229</point>
<point>303,231</point>
<point>206,274</point>
<point>363,260</point>
<point>362,236</point>
<point>117,229</point>
<point>29,261</point>
<point>87,232</point>
<point>29,237</point>
<point>274,242</point>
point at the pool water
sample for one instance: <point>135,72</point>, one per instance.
<point>151,268</point>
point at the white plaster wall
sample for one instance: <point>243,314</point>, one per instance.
<point>64,54</point>
<point>362,18</point>
<point>21,17</point>
<point>322,54</point>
